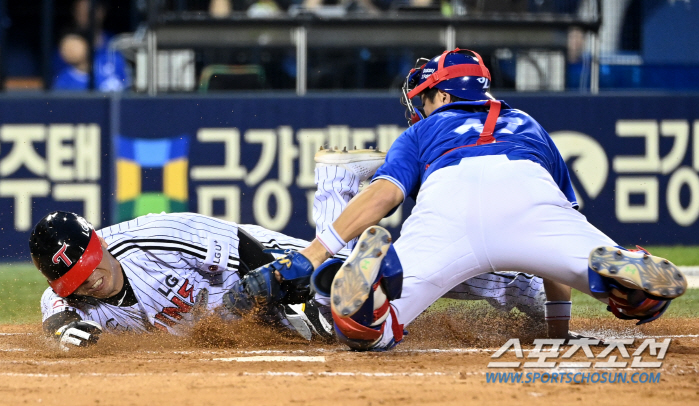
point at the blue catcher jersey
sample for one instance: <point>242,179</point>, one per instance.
<point>450,134</point>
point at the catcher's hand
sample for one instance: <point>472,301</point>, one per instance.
<point>286,280</point>
<point>263,290</point>
<point>82,333</point>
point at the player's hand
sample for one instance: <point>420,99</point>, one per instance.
<point>82,333</point>
<point>285,280</point>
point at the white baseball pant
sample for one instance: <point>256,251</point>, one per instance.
<point>489,214</point>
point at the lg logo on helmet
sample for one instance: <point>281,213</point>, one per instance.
<point>61,256</point>
<point>84,225</point>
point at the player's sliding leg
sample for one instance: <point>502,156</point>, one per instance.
<point>338,174</point>
<point>505,291</point>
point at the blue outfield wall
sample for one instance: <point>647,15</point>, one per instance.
<point>249,158</point>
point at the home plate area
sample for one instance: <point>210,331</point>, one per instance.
<point>444,360</point>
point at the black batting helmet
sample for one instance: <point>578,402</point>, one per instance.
<point>65,248</point>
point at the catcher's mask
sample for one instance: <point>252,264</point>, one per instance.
<point>460,72</point>
<point>65,248</point>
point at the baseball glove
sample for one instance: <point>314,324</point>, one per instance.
<point>284,281</point>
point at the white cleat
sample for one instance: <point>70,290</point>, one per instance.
<point>362,162</point>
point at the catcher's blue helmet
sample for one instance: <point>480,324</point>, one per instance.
<point>460,72</point>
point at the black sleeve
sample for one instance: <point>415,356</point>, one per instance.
<point>251,252</point>
<point>58,320</point>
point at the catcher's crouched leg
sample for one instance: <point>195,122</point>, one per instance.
<point>361,290</point>
<point>638,285</point>
<point>259,291</point>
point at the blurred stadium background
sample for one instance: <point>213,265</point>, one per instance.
<point>115,109</point>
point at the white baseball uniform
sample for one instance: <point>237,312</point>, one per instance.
<point>169,260</point>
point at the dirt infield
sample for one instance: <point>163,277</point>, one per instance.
<point>443,361</point>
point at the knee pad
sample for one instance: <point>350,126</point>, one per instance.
<point>323,276</point>
<point>392,274</point>
<point>629,304</point>
<point>360,337</point>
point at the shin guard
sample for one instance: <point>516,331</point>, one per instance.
<point>362,289</point>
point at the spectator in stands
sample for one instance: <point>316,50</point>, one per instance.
<point>254,8</point>
<point>366,6</point>
<point>264,8</point>
<point>72,65</point>
<point>220,8</point>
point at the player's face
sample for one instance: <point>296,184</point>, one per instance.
<point>106,280</point>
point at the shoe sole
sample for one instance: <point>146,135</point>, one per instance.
<point>655,276</point>
<point>336,157</point>
<point>353,282</point>
<point>300,322</point>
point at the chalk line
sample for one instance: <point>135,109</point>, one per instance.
<point>236,374</point>
<point>270,358</point>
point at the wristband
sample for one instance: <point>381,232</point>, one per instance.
<point>557,310</point>
<point>331,240</point>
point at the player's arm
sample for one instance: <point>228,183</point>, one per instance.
<point>364,210</point>
<point>67,324</point>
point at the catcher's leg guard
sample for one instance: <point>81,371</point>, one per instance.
<point>323,276</point>
<point>631,304</point>
<point>361,291</point>
<point>638,285</point>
